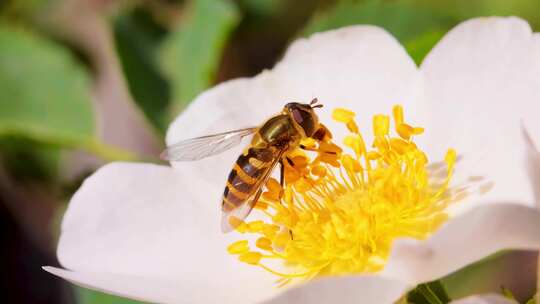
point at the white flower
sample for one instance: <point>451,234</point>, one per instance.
<point>152,233</point>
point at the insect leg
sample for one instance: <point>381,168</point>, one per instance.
<point>282,176</point>
<point>281,173</point>
<point>290,161</point>
<point>322,134</point>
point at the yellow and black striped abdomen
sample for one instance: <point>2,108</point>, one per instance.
<point>246,177</point>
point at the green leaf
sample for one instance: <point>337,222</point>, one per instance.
<point>44,93</point>
<point>419,24</point>
<point>403,19</point>
<point>417,27</point>
<point>532,300</point>
<point>24,10</point>
<point>192,52</point>
<point>509,268</point>
<point>261,8</point>
<point>87,296</point>
<point>429,293</point>
<point>507,293</point>
<point>137,38</point>
<point>465,9</point>
<point>27,160</point>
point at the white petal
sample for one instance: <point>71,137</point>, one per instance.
<point>231,105</point>
<point>530,118</point>
<point>362,68</point>
<point>482,79</point>
<point>151,224</point>
<point>464,240</point>
<point>484,299</point>
<point>345,290</point>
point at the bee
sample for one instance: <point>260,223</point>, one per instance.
<point>271,143</point>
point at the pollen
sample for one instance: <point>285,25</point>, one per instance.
<point>340,209</point>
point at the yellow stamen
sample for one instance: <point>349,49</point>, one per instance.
<point>339,213</point>
<point>343,115</point>
<point>238,247</point>
<point>381,125</point>
<point>397,112</point>
<point>264,243</point>
<point>252,258</point>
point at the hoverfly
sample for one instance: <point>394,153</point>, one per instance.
<point>271,143</point>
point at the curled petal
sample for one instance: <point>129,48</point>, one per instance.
<point>345,290</point>
<point>464,240</point>
<point>485,299</point>
<point>134,287</point>
<point>533,165</point>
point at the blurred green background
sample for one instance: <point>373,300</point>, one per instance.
<point>85,82</point>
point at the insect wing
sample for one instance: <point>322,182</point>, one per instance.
<point>232,219</point>
<point>201,147</point>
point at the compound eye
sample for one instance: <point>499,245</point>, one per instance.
<point>297,115</point>
<point>305,120</point>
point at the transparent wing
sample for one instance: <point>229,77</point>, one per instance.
<point>230,220</point>
<point>201,147</point>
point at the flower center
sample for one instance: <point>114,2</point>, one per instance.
<point>339,213</point>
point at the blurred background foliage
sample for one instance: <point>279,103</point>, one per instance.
<point>85,82</point>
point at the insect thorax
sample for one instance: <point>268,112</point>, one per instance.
<point>279,131</point>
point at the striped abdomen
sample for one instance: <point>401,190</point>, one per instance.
<point>246,178</point>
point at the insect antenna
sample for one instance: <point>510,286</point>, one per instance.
<point>314,104</point>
